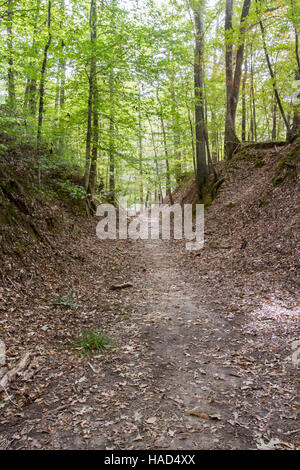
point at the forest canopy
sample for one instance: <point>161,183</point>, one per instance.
<point>137,95</point>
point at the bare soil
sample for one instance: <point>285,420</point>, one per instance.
<point>181,376</point>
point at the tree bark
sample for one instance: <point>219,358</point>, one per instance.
<point>263,36</point>
<point>175,129</point>
<point>31,87</point>
<point>11,100</point>
<point>157,182</point>
<point>244,110</point>
<point>112,150</point>
<point>112,138</point>
<point>88,136</point>
<point>141,151</point>
<point>233,78</point>
<point>200,129</point>
<point>94,92</point>
<point>192,139</point>
<point>295,131</point>
<point>168,175</point>
<point>42,90</point>
<point>254,137</point>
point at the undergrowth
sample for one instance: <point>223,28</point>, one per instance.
<point>91,341</point>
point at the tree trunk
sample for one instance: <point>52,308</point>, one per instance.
<point>61,141</point>
<point>201,163</point>
<point>11,100</point>
<point>244,110</point>
<point>263,35</point>
<point>42,90</point>
<point>233,79</point>
<point>88,136</point>
<point>175,129</point>
<point>31,87</point>
<point>60,87</point>
<point>94,92</point>
<point>141,151</point>
<point>112,139</point>
<point>295,132</point>
<point>156,162</point>
<point>192,140</point>
<point>168,176</point>
<point>112,168</point>
<point>254,138</point>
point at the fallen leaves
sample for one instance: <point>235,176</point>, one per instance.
<point>177,344</point>
<point>151,420</point>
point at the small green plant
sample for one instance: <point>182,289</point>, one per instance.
<point>91,341</point>
<point>3,149</point>
<point>68,301</point>
<point>259,162</point>
<point>71,190</point>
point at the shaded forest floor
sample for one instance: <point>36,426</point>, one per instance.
<point>205,345</point>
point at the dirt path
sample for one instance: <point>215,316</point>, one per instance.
<point>183,363</point>
<point>173,355</point>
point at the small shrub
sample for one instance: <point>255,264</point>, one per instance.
<point>91,341</point>
<point>71,190</point>
<point>68,301</point>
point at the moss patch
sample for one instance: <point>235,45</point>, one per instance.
<point>287,166</point>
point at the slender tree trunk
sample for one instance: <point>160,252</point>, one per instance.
<point>200,131</point>
<point>253,100</point>
<point>31,86</point>
<point>163,128</point>
<point>94,92</point>
<point>175,129</point>
<point>251,117</point>
<point>88,136</point>
<point>296,98</point>
<point>155,161</point>
<point>233,78</point>
<point>168,177</point>
<point>112,139</point>
<point>62,80</point>
<point>112,163</point>
<point>11,100</point>
<point>94,159</point>
<point>42,90</point>
<point>61,142</point>
<point>192,139</point>
<point>274,118</point>
<point>244,111</point>
<point>263,35</point>
<point>296,119</point>
<point>57,87</point>
<point>141,151</point>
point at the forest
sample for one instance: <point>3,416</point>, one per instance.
<point>138,95</point>
<point>140,344</point>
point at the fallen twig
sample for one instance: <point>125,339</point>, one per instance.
<point>121,286</point>
<point>11,374</point>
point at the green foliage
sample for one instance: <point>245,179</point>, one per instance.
<point>69,301</point>
<point>259,162</point>
<point>91,341</point>
<point>71,190</point>
<point>3,149</point>
<point>287,166</point>
<point>143,51</point>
